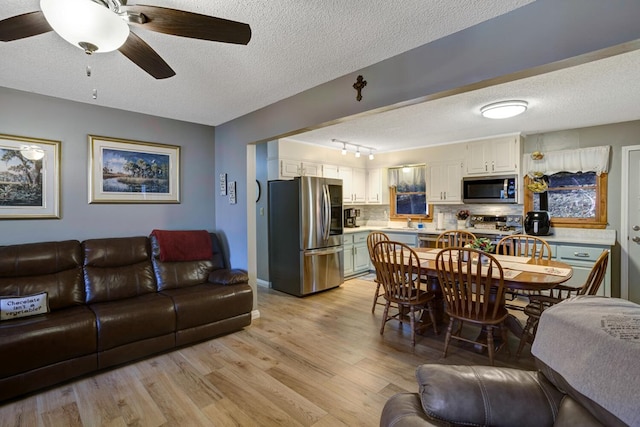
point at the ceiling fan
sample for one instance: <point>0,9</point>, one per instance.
<point>103,26</point>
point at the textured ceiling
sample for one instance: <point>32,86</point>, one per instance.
<point>596,93</point>
<point>295,45</point>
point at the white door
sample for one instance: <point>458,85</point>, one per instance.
<point>630,225</point>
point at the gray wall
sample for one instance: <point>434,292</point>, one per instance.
<point>534,35</point>
<point>30,115</point>
<point>617,136</point>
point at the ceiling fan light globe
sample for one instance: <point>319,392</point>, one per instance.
<point>87,22</point>
<point>32,152</point>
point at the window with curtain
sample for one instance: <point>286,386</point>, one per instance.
<point>408,192</point>
<point>574,186</point>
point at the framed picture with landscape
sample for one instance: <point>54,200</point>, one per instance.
<point>29,178</point>
<point>123,171</point>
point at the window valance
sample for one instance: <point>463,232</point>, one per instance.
<point>593,159</point>
<point>408,177</point>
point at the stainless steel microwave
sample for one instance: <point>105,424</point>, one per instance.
<point>490,189</point>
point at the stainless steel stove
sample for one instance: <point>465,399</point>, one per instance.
<point>493,227</point>
<point>496,224</point>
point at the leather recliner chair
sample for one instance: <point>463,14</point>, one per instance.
<point>587,376</point>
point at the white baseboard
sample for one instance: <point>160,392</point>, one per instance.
<point>255,314</point>
<point>263,283</point>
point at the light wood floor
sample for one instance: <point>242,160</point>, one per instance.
<point>314,361</point>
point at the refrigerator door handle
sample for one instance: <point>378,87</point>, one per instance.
<point>324,251</point>
<point>326,206</point>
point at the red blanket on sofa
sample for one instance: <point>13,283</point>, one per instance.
<point>188,245</point>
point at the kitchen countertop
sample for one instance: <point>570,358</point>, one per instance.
<point>560,235</point>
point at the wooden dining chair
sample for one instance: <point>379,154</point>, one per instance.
<point>525,246</point>
<point>450,238</point>
<point>398,268</point>
<point>522,245</point>
<point>474,292</point>
<point>539,303</point>
<point>373,238</point>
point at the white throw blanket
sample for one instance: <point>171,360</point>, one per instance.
<point>594,343</point>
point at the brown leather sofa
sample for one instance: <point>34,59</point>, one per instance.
<point>587,376</point>
<point>110,301</point>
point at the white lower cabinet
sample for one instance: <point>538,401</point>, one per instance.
<point>356,253</point>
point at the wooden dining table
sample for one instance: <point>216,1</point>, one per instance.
<point>521,273</point>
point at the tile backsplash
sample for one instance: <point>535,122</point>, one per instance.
<point>376,215</point>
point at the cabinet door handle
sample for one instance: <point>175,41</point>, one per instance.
<point>581,254</point>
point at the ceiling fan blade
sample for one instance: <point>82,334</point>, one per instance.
<point>141,54</point>
<point>22,26</point>
<point>192,25</point>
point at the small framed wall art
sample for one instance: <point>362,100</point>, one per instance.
<point>223,184</point>
<point>232,193</point>
<point>29,178</point>
<point>124,171</point>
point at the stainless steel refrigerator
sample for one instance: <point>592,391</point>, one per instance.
<point>306,253</point>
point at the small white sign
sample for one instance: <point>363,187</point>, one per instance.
<point>223,184</point>
<point>232,193</point>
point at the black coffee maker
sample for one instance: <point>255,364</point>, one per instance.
<point>537,223</point>
<point>350,215</point>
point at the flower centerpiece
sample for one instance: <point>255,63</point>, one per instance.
<point>462,216</point>
<point>482,244</point>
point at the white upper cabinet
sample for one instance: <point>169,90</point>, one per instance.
<point>289,168</point>
<point>354,184</point>
<point>444,182</point>
<point>330,171</point>
<point>494,156</point>
<point>377,189</point>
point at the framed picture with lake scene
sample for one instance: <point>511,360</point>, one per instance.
<point>124,171</point>
<point>29,178</point>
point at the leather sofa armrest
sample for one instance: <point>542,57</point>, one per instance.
<point>225,276</point>
<point>486,395</point>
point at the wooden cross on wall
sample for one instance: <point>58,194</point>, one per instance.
<point>359,85</point>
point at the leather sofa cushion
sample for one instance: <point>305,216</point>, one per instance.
<point>180,274</point>
<point>117,268</point>
<point>33,342</point>
<point>116,252</point>
<point>133,319</point>
<point>484,395</point>
<point>208,303</point>
<point>51,267</point>
<point>228,277</point>
<point>405,410</point>
<point>572,414</point>
<point>37,259</point>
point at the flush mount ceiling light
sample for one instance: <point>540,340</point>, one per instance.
<point>504,109</point>
<point>86,24</point>
<point>32,152</point>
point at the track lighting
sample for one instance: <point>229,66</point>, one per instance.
<point>357,147</point>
